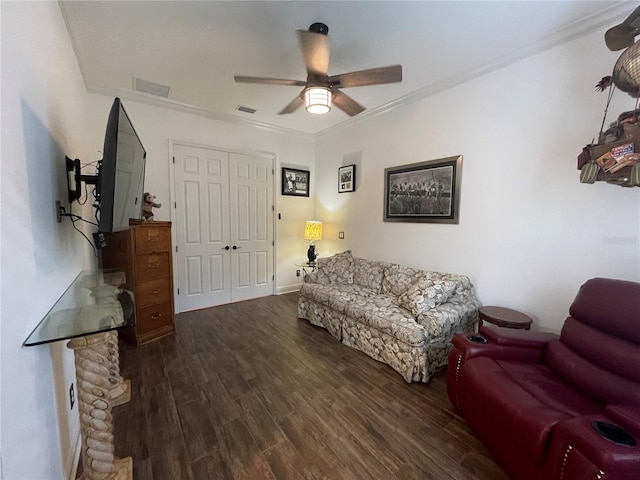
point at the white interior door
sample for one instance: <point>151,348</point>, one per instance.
<point>202,227</point>
<point>224,226</point>
<point>251,208</point>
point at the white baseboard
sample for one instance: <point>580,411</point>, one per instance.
<point>288,288</point>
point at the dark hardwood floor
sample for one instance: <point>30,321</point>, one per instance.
<point>248,391</point>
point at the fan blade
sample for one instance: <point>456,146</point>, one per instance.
<point>294,105</point>
<point>345,103</point>
<point>373,76</point>
<point>269,81</point>
<point>623,35</point>
<point>315,51</point>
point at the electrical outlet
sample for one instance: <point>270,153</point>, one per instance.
<point>297,273</point>
<point>72,397</point>
<point>58,211</point>
<point>341,235</point>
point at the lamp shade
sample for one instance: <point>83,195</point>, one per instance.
<point>313,230</point>
<point>317,100</point>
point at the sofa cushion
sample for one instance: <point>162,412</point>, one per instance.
<point>336,296</point>
<point>425,294</point>
<point>526,400</point>
<point>397,279</point>
<point>368,273</point>
<point>336,269</point>
<point>382,313</point>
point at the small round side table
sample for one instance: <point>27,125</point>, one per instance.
<point>504,317</point>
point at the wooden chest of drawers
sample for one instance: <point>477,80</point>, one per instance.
<point>144,253</point>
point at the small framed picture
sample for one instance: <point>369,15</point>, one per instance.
<point>295,182</point>
<point>347,179</point>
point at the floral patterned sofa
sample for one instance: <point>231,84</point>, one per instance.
<point>404,317</point>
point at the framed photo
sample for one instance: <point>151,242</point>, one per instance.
<point>347,179</point>
<point>295,182</point>
<point>427,192</point>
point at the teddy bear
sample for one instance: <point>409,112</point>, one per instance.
<point>148,203</point>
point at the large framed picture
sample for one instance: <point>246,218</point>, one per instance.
<point>347,179</point>
<point>427,192</point>
<point>295,182</point>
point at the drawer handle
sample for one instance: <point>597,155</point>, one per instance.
<point>156,291</point>
<point>156,316</point>
<point>155,265</point>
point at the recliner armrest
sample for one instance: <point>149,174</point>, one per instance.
<point>625,416</point>
<point>577,451</point>
<point>517,338</point>
<point>503,343</point>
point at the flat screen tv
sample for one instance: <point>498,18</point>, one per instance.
<point>119,181</point>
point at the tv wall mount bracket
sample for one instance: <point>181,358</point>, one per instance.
<point>75,179</point>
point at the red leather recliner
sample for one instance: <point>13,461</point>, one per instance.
<point>549,407</point>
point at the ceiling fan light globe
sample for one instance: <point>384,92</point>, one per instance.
<point>317,100</point>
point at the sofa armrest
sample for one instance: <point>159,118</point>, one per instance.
<point>441,323</point>
<point>310,277</point>
<point>316,277</point>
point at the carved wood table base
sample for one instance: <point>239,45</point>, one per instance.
<point>94,376</point>
<point>120,391</point>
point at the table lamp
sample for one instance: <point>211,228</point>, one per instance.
<point>312,231</point>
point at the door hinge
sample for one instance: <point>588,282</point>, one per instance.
<point>273,243</point>
<point>273,208</point>
<point>174,159</point>
<point>178,291</point>
<point>175,204</point>
<point>176,248</point>
<point>273,277</point>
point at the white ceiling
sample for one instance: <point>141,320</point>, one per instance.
<point>197,47</point>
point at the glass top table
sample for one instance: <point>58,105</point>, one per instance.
<point>93,303</point>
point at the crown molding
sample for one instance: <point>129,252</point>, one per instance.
<point>610,14</point>
<point>606,16</point>
<point>148,99</point>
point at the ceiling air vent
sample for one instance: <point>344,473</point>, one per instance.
<point>246,109</point>
<point>150,87</point>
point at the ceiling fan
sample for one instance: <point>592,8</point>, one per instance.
<point>321,90</point>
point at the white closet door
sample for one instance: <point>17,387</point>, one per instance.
<point>202,230</point>
<point>251,209</point>
<point>224,226</point>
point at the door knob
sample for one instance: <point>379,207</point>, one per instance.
<point>235,247</point>
<point>225,248</point>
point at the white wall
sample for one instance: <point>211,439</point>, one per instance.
<point>44,107</point>
<point>156,126</point>
<point>529,234</point>
<point>47,114</point>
